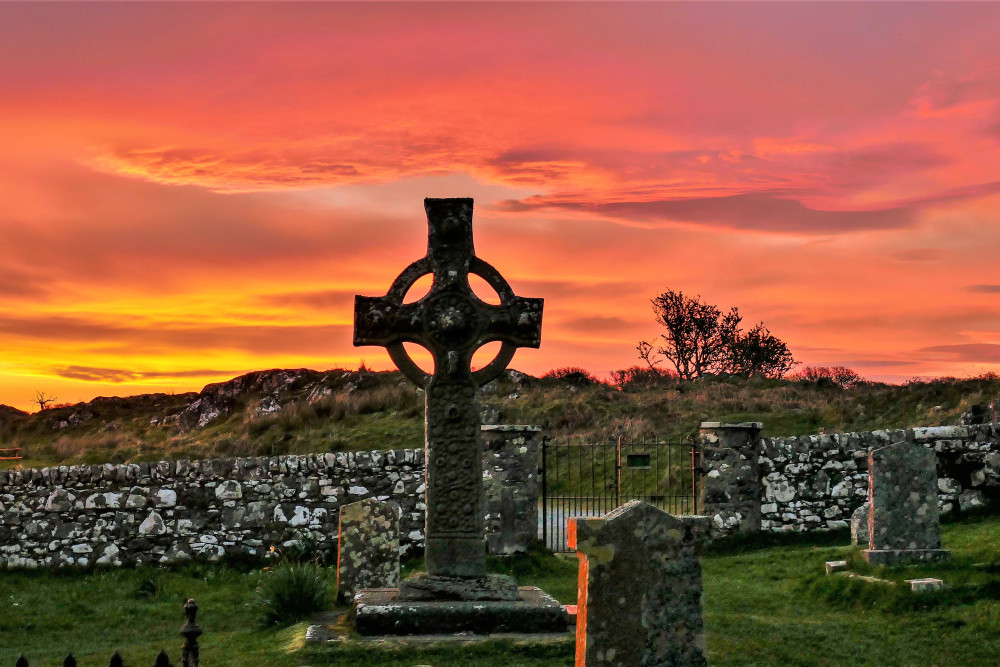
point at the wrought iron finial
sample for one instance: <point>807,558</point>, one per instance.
<point>116,660</point>
<point>69,661</point>
<point>162,660</point>
<point>190,631</point>
<point>21,662</point>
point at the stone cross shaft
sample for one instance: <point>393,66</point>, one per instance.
<point>452,323</point>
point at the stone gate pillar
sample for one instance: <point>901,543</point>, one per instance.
<point>731,488</point>
<point>510,486</point>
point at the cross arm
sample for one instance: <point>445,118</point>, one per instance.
<point>518,322</point>
<point>380,320</point>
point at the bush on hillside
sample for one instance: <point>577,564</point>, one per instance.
<point>641,377</point>
<point>838,375</point>
<point>571,375</point>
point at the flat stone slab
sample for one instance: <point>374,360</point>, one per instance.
<point>835,566</point>
<point>928,584</point>
<point>460,638</point>
<point>870,580</point>
<point>904,556</point>
<point>427,587</point>
<point>380,612</point>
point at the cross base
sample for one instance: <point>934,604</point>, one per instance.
<point>455,556</point>
<point>423,586</point>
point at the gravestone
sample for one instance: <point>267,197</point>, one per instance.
<point>639,598</point>
<point>859,526</point>
<point>367,547</point>
<point>451,322</point>
<point>903,519</point>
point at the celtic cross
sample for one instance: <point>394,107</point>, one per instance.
<point>452,323</point>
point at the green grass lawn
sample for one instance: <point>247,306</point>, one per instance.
<point>764,605</point>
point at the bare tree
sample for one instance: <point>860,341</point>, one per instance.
<point>700,338</point>
<point>697,335</point>
<point>43,400</point>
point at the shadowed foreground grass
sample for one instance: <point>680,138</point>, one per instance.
<point>765,604</point>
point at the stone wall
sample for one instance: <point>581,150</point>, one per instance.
<point>171,511</point>
<point>815,482</point>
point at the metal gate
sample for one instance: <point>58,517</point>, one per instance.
<point>592,479</point>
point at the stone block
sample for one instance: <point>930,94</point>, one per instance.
<point>639,599</point>
<point>423,586</point>
<point>835,566</point>
<point>367,547</point>
<point>923,585</point>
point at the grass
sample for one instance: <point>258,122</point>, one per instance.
<point>761,608</point>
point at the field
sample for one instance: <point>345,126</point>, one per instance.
<point>766,603</point>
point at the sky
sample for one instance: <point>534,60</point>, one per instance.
<point>192,191</point>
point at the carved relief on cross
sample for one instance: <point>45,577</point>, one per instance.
<point>451,322</point>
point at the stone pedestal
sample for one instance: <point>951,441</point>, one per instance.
<point>903,520</point>
<point>731,490</point>
<point>380,612</point>
<point>423,586</point>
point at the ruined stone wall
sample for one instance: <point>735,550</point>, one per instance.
<point>173,511</point>
<point>816,481</point>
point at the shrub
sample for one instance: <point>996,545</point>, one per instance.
<point>642,377</point>
<point>293,591</point>
<point>571,375</point>
<point>838,375</point>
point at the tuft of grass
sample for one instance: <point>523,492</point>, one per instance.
<point>292,592</point>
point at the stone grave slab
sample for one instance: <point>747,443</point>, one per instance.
<point>368,547</point>
<point>903,518</point>
<point>639,599</point>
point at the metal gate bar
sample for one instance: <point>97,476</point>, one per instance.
<point>591,479</point>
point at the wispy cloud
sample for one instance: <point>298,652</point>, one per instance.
<point>118,375</point>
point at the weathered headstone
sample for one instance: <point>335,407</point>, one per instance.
<point>368,547</point>
<point>859,526</point>
<point>903,519</point>
<point>451,322</point>
<point>639,599</point>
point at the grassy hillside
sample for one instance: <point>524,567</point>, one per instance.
<point>299,411</point>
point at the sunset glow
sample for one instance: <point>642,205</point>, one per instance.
<point>191,191</point>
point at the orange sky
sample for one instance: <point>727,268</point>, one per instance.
<point>191,191</point>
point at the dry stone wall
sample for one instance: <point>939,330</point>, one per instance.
<point>172,511</point>
<point>815,482</point>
